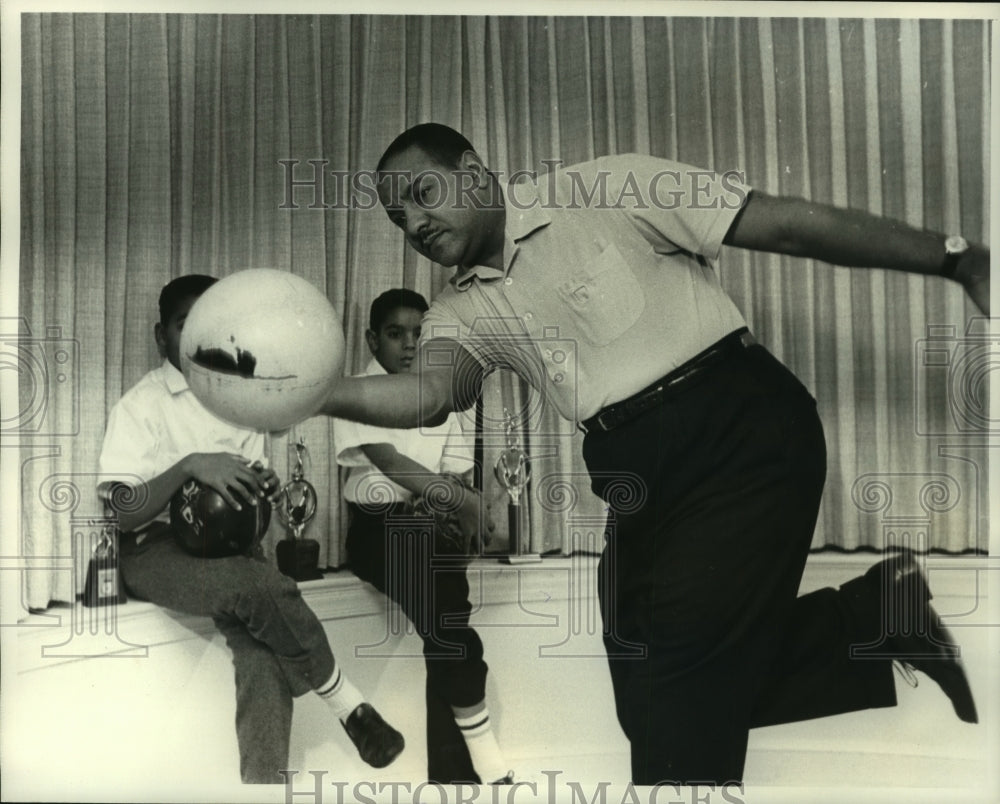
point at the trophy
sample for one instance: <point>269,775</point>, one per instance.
<point>513,471</point>
<point>104,586</point>
<point>298,558</point>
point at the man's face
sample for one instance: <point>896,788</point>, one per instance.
<point>440,209</point>
<point>168,333</point>
<point>395,343</point>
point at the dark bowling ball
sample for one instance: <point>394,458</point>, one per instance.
<point>207,526</point>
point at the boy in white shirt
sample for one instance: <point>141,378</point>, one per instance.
<point>159,436</point>
<point>387,470</point>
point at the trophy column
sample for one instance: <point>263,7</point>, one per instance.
<point>513,471</point>
<point>298,558</point>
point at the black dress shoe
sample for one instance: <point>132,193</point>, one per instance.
<point>915,635</point>
<point>377,742</point>
<point>508,779</point>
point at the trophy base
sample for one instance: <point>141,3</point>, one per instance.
<point>524,558</point>
<point>104,585</point>
<point>299,559</point>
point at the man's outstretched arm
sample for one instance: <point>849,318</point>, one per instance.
<point>853,238</point>
<point>447,379</point>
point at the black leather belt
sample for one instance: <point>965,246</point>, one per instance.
<point>621,412</point>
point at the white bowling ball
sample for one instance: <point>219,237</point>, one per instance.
<point>262,348</point>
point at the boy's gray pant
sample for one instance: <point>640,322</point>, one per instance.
<point>279,647</point>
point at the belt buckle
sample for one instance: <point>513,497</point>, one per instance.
<point>599,420</point>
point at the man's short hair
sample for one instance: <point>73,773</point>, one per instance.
<point>179,289</point>
<point>393,300</point>
<point>443,144</point>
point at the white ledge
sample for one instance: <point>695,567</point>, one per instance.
<point>71,633</point>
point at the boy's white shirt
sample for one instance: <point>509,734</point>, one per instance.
<point>445,448</point>
<point>159,421</point>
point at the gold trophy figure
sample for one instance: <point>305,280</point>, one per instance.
<point>298,558</point>
<point>513,471</point>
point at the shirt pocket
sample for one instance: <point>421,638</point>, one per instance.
<point>603,296</point>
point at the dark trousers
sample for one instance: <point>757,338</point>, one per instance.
<point>279,647</point>
<point>394,553</point>
<point>713,499</point>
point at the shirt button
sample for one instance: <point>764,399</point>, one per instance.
<point>528,316</point>
<point>508,281</point>
<point>557,378</point>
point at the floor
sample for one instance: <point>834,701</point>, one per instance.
<point>154,723</point>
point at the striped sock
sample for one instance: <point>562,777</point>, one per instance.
<point>474,724</point>
<point>341,694</point>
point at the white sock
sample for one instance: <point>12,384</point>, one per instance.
<point>487,759</point>
<point>341,694</point>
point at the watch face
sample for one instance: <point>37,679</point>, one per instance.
<point>956,244</point>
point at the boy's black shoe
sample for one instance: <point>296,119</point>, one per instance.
<point>916,636</point>
<point>508,779</point>
<point>377,742</point>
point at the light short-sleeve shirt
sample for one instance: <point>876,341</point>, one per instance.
<point>607,282</point>
<point>445,448</point>
<point>158,422</point>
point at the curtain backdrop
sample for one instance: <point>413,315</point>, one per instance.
<point>157,145</point>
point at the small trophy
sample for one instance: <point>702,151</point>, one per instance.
<point>513,471</point>
<point>298,558</point>
<point>104,586</point>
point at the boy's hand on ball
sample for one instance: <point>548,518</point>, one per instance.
<point>270,480</point>
<point>229,475</point>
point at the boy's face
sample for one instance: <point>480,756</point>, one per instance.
<point>168,333</point>
<point>395,343</point>
<point>444,212</point>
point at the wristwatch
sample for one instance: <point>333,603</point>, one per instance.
<point>954,247</point>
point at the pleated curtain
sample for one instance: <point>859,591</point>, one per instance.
<point>158,145</point>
